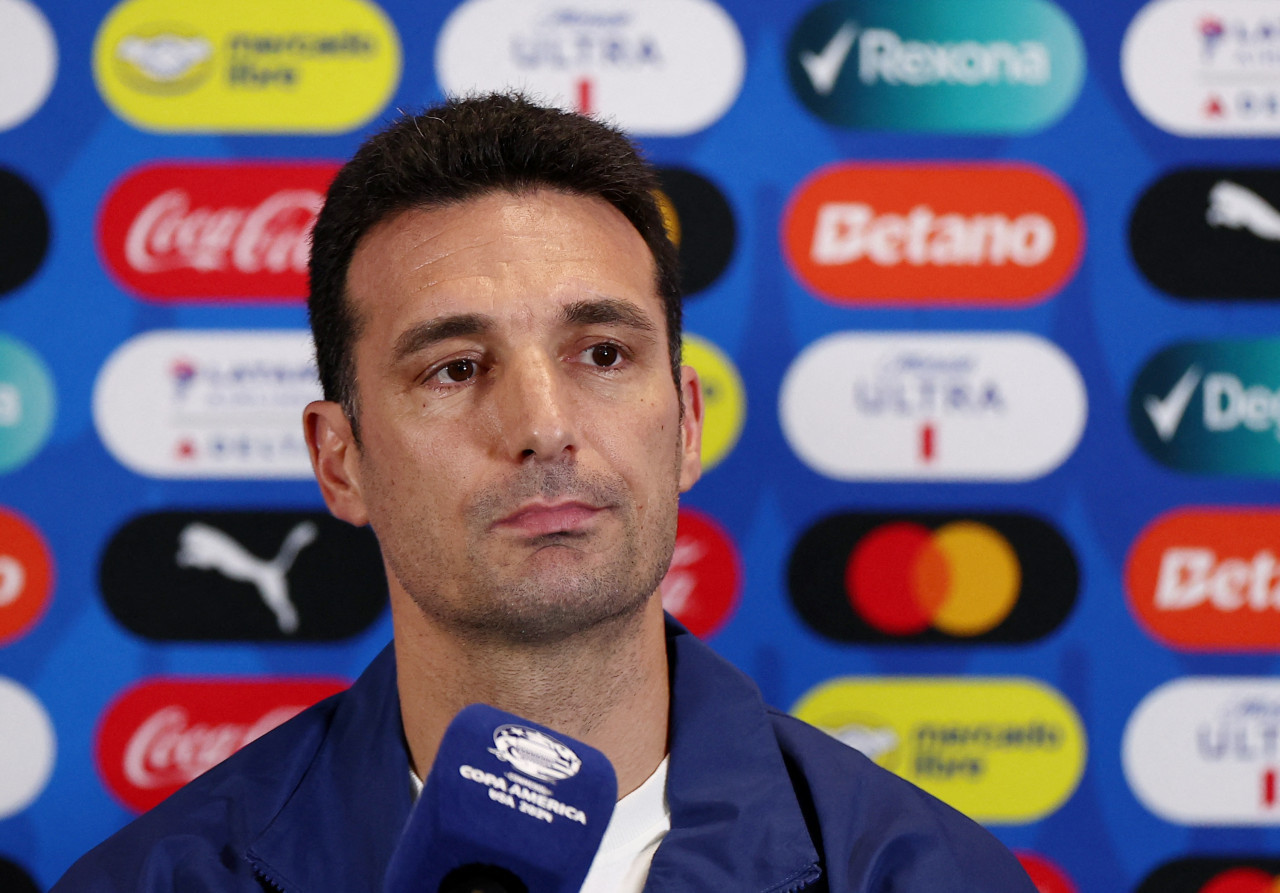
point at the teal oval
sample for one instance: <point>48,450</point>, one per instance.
<point>979,67</point>
<point>26,403</point>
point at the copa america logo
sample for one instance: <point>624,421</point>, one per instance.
<point>534,753</point>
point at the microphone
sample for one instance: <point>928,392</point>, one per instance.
<point>508,807</point>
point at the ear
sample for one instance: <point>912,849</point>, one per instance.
<point>335,459</point>
<point>690,428</point>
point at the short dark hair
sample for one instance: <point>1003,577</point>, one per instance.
<point>460,150</point>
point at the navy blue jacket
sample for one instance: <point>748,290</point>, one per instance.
<point>760,802</point>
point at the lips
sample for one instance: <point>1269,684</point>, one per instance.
<point>541,520</point>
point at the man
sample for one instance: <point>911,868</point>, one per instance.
<point>497,325</point>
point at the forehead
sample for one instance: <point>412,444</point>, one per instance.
<point>501,253</point>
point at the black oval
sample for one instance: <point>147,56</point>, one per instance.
<point>209,576</point>
<point>707,229</point>
<point>1191,874</point>
<point>24,231</point>
<point>13,879</point>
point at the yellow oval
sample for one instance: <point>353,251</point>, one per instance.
<point>1002,750</point>
<point>247,66</point>
<point>724,398</point>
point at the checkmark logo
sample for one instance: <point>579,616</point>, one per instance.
<point>1166,412</point>
<point>823,67</point>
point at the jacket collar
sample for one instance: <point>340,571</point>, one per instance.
<point>735,821</point>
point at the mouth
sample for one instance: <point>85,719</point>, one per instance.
<point>543,519</point>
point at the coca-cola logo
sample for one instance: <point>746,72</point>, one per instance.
<point>703,582</point>
<point>162,733</point>
<point>213,230</point>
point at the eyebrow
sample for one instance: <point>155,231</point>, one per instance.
<point>426,334</point>
<point>607,311</point>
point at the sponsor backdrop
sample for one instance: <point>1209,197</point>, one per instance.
<point>985,295</point>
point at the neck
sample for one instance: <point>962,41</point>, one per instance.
<point>606,686</point>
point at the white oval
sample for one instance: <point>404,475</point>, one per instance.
<point>933,406</point>
<point>28,61</point>
<point>1180,57</point>
<point>27,748</point>
<point>1206,751</point>
<point>208,404</point>
<point>652,67</point>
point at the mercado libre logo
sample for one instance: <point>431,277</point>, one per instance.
<point>1205,68</point>
<point>1211,233</point>
<point>932,578</point>
<point>259,576</point>
<point>1211,407</point>
<point>980,67</point>
<point>991,234</point>
<point>26,576</point>
<point>1208,579</point>
<point>703,584</point>
<point>27,403</point>
<point>724,398</point>
<point>213,230</point>
<point>932,406</point>
<point>161,733</point>
<point>1214,874</point>
<point>1206,751</point>
<point>652,67</point>
<point>971,742</point>
<point>247,66</point>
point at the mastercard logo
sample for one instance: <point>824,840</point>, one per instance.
<point>931,578</point>
<point>1214,874</point>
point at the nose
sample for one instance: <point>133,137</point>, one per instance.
<point>534,415</point>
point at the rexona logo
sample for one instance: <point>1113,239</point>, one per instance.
<point>1210,232</point>
<point>24,227</point>
<point>1214,874</point>
<point>932,578</point>
<point>161,733</point>
<point>243,576</point>
<point>995,234</point>
<point>655,67</point>
<point>247,66</point>
<point>700,224</point>
<point>212,404</point>
<point>973,743</point>
<point>27,403</point>
<point>28,61</point>
<point>702,585</point>
<point>1206,751</point>
<point>14,879</point>
<point>1203,579</point>
<point>932,406</point>
<point>724,398</point>
<point>28,748</point>
<point>985,66</point>
<point>210,231</point>
<point>1211,407</point>
<point>1205,67</point>
<point>26,575</point>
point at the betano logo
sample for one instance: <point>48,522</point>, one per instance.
<point>656,68</point>
<point>1214,874</point>
<point>1205,68</point>
<point>26,575</point>
<point>1206,751</point>
<point>973,743</point>
<point>985,66</point>
<point>993,234</point>
<point>1211,407</point>
<point>247,66</point>
<point>1208,579</point>
<point>213,230</point>
<point>724,398</point>
<point>932,406</point>
<point>930,578</point>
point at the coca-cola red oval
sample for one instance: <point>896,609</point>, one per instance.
<point>162,732</point>
<point>213,231</point>
<point>703,582</point>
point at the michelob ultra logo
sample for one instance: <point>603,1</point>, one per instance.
<point>979,66</point>
<point>930,578</point>
<point>973,743</point>
<point>932,406</point>
<point>1211,407</point>
<point>654,67</point>
<point>247,66</point>
<point>995,234</point>
<point>1206,579</point>
<point>1206,751</point>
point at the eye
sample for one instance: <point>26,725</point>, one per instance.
<point>454,372</point>
<point>605,354</point>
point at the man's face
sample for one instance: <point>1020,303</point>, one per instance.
<point>522,443</point>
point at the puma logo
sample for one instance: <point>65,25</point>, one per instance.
<point>204,547</point>
<point>1235,207</point>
